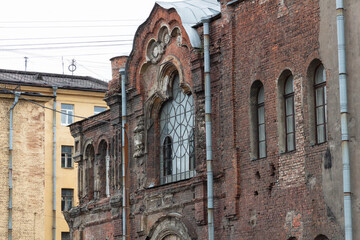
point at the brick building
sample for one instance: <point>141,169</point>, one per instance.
<point>277,143</point>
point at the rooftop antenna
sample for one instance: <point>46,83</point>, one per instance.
<point>72,67</point>
<point>26,59</point>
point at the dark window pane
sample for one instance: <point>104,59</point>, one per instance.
<point>320,115</point>
<point>261,115</point>
<point>289,85</point>
<point>289,102</point>
<point>290,142</point>
<point>262,150</point>
<point>320,75</point>
<point>261,95</point>
<point>320,134</point>
<point>290,124</point>
<point>319,96</point>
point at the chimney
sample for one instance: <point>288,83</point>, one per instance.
<point>115,83</point>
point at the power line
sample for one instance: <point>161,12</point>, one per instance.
<point>63,43</point>
<point>71,26</point>
<point>62,55</point>
<point>54,110</point>
<point>49,48</point>
<point>46,38</point>
<point>71,21</point>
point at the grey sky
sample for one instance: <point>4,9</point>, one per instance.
<point>91,32</point>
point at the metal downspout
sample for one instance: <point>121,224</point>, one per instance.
<point>210,195</point>
<point>54,165</point>
<point>123,122</point>
<point>344,123</point>
<point>17,95</point>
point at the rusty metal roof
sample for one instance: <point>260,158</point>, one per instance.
<point>191,12</point>
<point>42,79</point>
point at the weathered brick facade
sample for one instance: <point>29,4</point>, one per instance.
<point>282,196</point>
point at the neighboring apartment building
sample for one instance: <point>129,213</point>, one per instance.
<point>33,213</point>
<point>261,157</point>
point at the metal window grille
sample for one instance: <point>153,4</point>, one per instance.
<point>320,105</point>
<point>289,114</point>
<point>67,196</point>
<point>66,156</point>
<point>177,136</point>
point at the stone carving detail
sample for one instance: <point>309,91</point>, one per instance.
<point>139,139</point>
<point>156,48</point>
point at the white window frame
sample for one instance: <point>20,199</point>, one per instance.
<point>67,114</point>
<point>97,112</point>
<point>66,157</point>
<point>67,200</point>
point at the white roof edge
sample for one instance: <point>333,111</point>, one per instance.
<point>191,12</point>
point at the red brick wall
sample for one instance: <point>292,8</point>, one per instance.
<point>272,198</point>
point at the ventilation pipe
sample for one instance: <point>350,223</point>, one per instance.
<point>17,95</point>
<point>123,123</point>
<point>210,195</point>
<point>54,165</point>
<point>344,123</point>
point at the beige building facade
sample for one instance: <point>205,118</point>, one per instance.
<point>34,191</point>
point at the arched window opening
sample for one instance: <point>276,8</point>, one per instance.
<point>171,237</point>
<point>176,136</point>
<point>88,169</point>
<point>320,104</point>
<point>289,114</point>
<point>321,237</point>
<point>101,176</point>
<point>261,123</point>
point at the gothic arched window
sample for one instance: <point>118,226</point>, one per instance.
<point>289,113</point>
<point>176,136</point>
<point>320,104</point>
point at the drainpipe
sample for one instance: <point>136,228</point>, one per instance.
<point>344,123</point>
<point>17,95</point>
<point>54,165</point>
<point>123,123</point>
<point>107,161</point>
<point>210,195</point>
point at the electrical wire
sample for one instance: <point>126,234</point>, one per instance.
<point>72,26</point>
<point>49,108</point>
<point>72,21</point>
<point>63,43</point>
<point>68,37</point>
<point>49,48</point>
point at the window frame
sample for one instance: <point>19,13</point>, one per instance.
<point>65,158</point>
<point>67,196</point>
<point>260,105</point>
<point>97,112</point>
<point>181,169</point>
<point>67,114</point>
<point>322,86</point>
<point>287,96</point>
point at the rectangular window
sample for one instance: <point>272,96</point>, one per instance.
<point>67,196</point>
<point>67,112</point>
<point>65,236</point>
<point>66,156</point>
<point>99,110</point>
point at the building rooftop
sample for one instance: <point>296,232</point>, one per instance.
<point>191,12</point>
<point>41,79</point>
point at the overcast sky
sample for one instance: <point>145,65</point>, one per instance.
<point>50,33</point>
